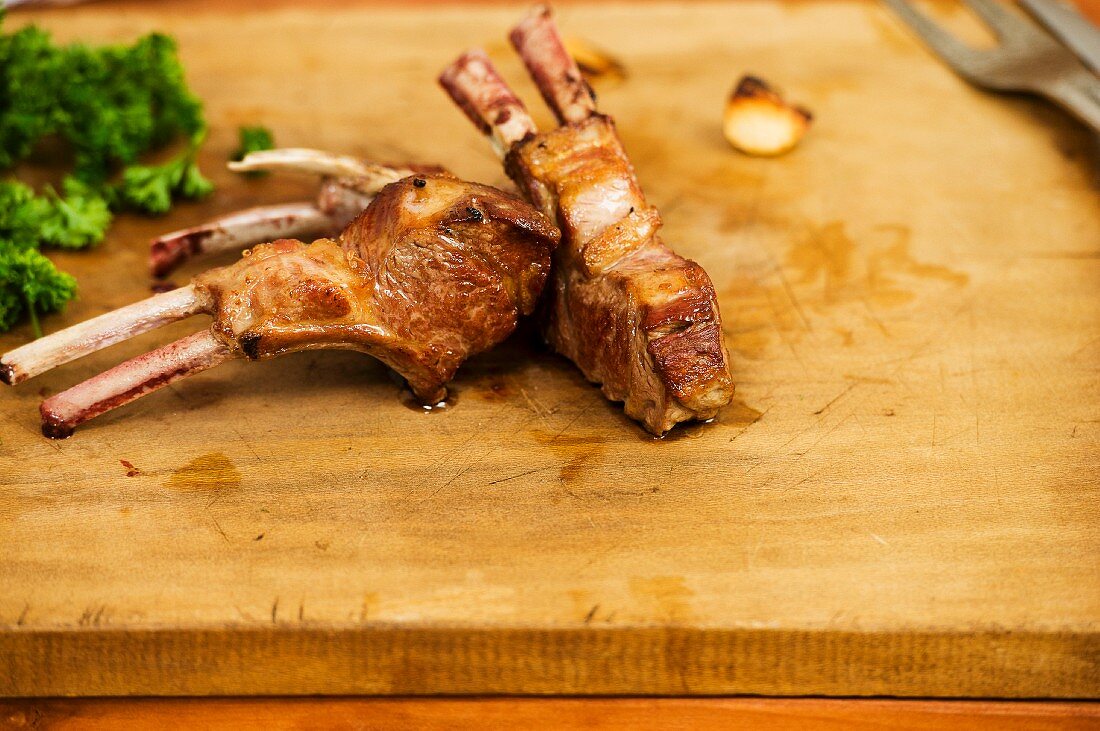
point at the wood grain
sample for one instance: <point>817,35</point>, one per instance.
<point>380,714</point>
<point>902,500</point>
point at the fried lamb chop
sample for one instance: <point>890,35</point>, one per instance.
<point>635,317</point>
<point>347,187</point>
<point>434,270</point>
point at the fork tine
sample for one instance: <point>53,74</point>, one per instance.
<point>1070,27</point>
<point>957,54</point>
<point>1002,21</point>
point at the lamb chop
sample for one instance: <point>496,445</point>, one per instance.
<point>347,187</point>
<point>434,270</point>
<point>634,316</point>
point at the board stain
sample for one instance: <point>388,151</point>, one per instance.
<point>758,304</point>
<point>669,593</point>
<point>830,261</point>
<point>823,269</point>
<point>492,386</point>
<point>577,454</point>
<point>368,606</point>
<point>577,467</point>
<point>212,471</point>
<point>738,414</point>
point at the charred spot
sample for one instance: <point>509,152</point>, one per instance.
<point>419,182</point>
<point>753,86</point>
<point>52,430</point>
<point>7,373</point>
<point>475,214</point>
<point>250,345</point>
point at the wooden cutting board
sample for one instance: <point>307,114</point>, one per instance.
<point>902,500</point>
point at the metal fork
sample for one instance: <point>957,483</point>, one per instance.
<point>1027,59</point>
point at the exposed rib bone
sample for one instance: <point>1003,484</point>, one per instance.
<point>87,337</point>
<point>349,186</point>
<point>320,163</point>
<point>478,90</point>
<point>241,229</point>
<point>131,380</point>
<point>552,68</point>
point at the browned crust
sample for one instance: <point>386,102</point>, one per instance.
<point>691,361</point>
<point>620,240</point>
<point>692,306</point>
<point>686,343</point>
<point>485,203</point>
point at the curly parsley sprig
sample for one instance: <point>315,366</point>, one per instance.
<point>253,139</point>
<point>110,105</point>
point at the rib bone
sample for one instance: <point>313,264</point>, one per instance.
<point>100,332</point>
<point>477,88</point>
<point>239,230</point>
<point>131,380</point>
<point>554,71</point>
<point>348,186</point>
<point>304,160</point>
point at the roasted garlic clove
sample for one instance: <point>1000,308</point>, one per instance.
<point>593,62</point>
<point>758,122</point>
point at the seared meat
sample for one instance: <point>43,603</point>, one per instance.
<point>434,270</point>
<point>635,317</point>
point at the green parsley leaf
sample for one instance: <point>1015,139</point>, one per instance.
<point>150,188</point>
<point>253,139</point>
<point>77,220</point>
<point>29,282</point>
<point>74,221</point>
<point>110,105</point>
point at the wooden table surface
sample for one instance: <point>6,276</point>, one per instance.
<point>902,500</point>
<point>483,714</point>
